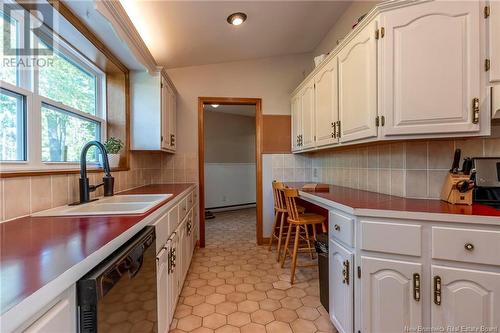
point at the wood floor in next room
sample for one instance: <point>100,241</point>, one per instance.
<point>233,285</point>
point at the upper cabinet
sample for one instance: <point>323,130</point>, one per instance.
<point>494,58</point>
<point>409,70</point>
<point>153,112</point>
<point>430,68</point>
<point>326,104</point>
<point>296,122</point>
<point>357,82</point>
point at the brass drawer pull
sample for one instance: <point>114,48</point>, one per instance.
<point>437,290</point>
<point>469,246</point>
<point>345,272</point>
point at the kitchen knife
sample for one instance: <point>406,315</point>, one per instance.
<point>456,161</point>
<point>467,166</point>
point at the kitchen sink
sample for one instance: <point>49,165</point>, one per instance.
<point>115,205</point>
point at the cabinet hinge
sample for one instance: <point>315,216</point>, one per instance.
<point>161,85</point>
<point>377,33</point>
<point>487,65</point>
<point>377,121</point>
<point>486,11</point>
<point>382,121</point>
<point>382,32</point>
<point>359,272</point>
<point>475,110</point>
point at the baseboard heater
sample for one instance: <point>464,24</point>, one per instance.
<point>231,207</point>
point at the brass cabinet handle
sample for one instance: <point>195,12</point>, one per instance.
<point>416,287</point>
<point>336,227</point>
<point>345,272</point>
<point>469,246</point>
<point>437,290</point>
<point>475,110</point>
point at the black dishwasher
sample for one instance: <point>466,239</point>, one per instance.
<point>321,245</point>
<point>120,293</point>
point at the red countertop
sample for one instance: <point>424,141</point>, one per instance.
<point>36,250</point>
<point>359,199</point>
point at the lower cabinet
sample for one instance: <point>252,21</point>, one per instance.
<point>390,295</point>
<point>463,297</point>
<point>162,289</point>
<point>341,298</point>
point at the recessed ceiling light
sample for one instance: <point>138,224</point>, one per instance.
<point>215,106</point>
<point>236,18</point>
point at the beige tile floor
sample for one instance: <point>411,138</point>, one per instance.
<point>233,285</point>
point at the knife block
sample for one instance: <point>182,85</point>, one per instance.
<point>451,194</point>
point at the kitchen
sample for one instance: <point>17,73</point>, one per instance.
<point>380,120</point>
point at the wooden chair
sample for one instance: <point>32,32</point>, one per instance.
<point>299,221</point>
<point>279,208</point>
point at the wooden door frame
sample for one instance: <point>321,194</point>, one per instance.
<point>258,157</point>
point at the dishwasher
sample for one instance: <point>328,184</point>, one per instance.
<point>120,293</point>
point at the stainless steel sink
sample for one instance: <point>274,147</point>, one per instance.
<point>116,205</point>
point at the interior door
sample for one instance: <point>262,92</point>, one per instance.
<point>357,66</point>
<point>430,64</point>
<point>296,122</point>
<point>162,290</point>
<point>307,102</point>
<point>468,298</point>
<point>390,298</point>
<point>326,104</point>
<point>341,298</point>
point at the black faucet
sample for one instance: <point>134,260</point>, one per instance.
<point>108,181</point>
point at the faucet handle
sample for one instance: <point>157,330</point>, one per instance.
<point>109,184</point>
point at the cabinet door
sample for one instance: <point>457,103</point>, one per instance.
<point>173,280</point>
<point>469,298</point>
<point>165,121</point>
<point>307,101</point>
<point>358,86</point>
<point>162,290</point>
<point>296,122</point>
<point>326,110</point>
<point>494,30</point>
<point>430,61</point>
<point>341,289</point>
<point>172,119</point>
<point>495,101</point>
<point>388,295</point>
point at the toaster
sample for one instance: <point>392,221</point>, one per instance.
<point>487,171</point>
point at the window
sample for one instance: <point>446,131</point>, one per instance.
<point>49,110</point>
<point>13,124</point>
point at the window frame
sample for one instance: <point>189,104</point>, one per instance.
<point>27,86</point>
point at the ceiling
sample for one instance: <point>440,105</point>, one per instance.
<point>188,33</point>
<point>242,110</point>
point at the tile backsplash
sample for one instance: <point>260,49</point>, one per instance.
<point>26,195</point>
<point>414,169</point>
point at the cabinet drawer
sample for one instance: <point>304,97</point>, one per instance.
<point>190,200</point>
<point>173,219</point>
<point>467,245</point>
<point>341,227</point>
<point>183,208</point>
<point>391,238</point>
<point>162,231</point>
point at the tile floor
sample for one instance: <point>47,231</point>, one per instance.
<point>233,285</point>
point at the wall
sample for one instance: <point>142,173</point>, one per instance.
<point>229,159</point>
<point>343,26</point>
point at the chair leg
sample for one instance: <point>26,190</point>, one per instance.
<point>285,249</point>
<point>294,255</point>
<point>271,238</point>
<point>308,241</point>
<point>323,226</point>
<point>282,223</point>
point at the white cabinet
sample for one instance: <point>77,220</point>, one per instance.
<point>296,122</point>
<point>430,68</point>
<point>494,40</point>
<point>463,297</point>
<point>153,112</point>
<point>326,111</point>
<point>390,295</point>
<point>60,317</point>
<point>307,110</point>
<point>357,80</point>
<point>495,101</point>
<point>162,290</point>
<point>341,298</point>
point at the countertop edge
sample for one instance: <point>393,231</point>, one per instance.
<point>396,214</point>
<point>29,307</point>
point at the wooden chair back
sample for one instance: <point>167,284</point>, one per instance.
<point>279,199</point>
<point>291,206</point>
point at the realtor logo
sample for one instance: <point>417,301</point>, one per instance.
<point>30,19</point>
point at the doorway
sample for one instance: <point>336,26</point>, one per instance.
<point>217,190</point>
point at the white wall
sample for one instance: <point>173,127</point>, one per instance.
<point>228,184</point>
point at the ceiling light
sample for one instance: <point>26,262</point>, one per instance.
<point>236,18</point>
<point>215,106</point>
